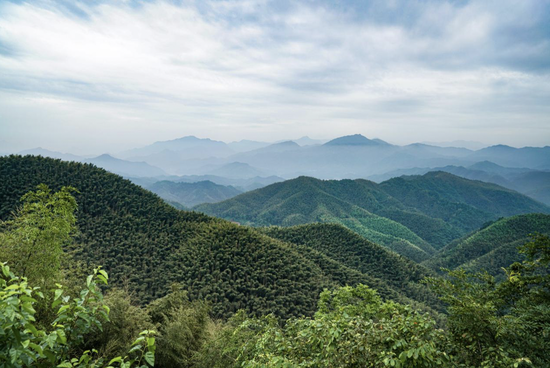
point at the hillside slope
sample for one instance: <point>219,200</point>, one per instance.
<point>307,200</point>
<point>141,240</point>
<point>492,247</point>
<point>353,251</point>
<point>463,203</point>
<point>412,215</point>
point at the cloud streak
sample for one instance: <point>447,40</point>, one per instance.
<point>400,70</point>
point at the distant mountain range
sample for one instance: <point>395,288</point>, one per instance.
<point>125,168</point>
<point>106,161</point>
<point>413,216</point>
<point>249,164</point>
<point>191,194</point>
<point>39,151</point>
<point>236,170</point>
<point>352,156</point>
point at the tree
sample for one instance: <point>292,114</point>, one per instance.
<point>353,327</point>
<point>501,325</point>
<point>24,344</point>
<point>182,328</point>
<point>32,242</point>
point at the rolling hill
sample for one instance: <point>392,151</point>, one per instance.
<point>413,216</point>
<point>463,203</point>
<point>148,245</point>
<point>532,183</point>
<point>354,251</point>
<point>306,200</point>
<point>493,247</point>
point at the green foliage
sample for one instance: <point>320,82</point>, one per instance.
<point>462,203</point>
<point>355,252</point>
<point>126,321</point>
<point>228,342</point>
<point>352,328</point>
<point>307,200</point>
<point>32,242</point>
<point>412,216</point>
<point>506,324</point>
<point>182,328</point>
<point>435,231</point>
<point>492,247</point>
<point>23,344</point>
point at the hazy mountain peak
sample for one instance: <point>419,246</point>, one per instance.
<point>499,147</point>
<point>484,165</point>
<point>286,143</point>
<point>307,141</point>
<point>355,140</point>
<point>237,170</point>
<point>105,156</point>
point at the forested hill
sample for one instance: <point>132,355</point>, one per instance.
<point>492,247</point>
<point>435,193</point>
<point>140,239</point>
<point>411,215</point>
<point>354,251</point>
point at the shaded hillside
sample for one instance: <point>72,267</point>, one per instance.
<point>355,252</point>
<point>306,200</point>
<point>191,194</point>
<point>535,184</point>
<point>411,216</point>
<point>492,247</point>
<point>532,183</point>
<point>141,240</point>
<point>463,203</point>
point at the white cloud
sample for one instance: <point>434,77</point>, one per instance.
<point>235,70</point>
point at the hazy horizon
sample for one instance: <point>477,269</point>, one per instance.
<point>106,76</point>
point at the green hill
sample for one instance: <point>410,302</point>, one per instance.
<point>307,200</point>
<point>465,204</point>
<point>353,251</point>
<point>145,243</point>
<point>412,215</point>
<point>492,247</point>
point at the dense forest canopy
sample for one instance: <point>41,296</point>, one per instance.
<point>148,245</point>
<point>413,216</point>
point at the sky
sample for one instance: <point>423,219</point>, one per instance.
<point>100,76</point>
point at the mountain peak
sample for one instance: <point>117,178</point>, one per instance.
<point>286,143</point>
<point>355,140</point>
<point>105,156</point>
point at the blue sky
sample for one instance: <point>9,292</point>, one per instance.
<point>95,76</point>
